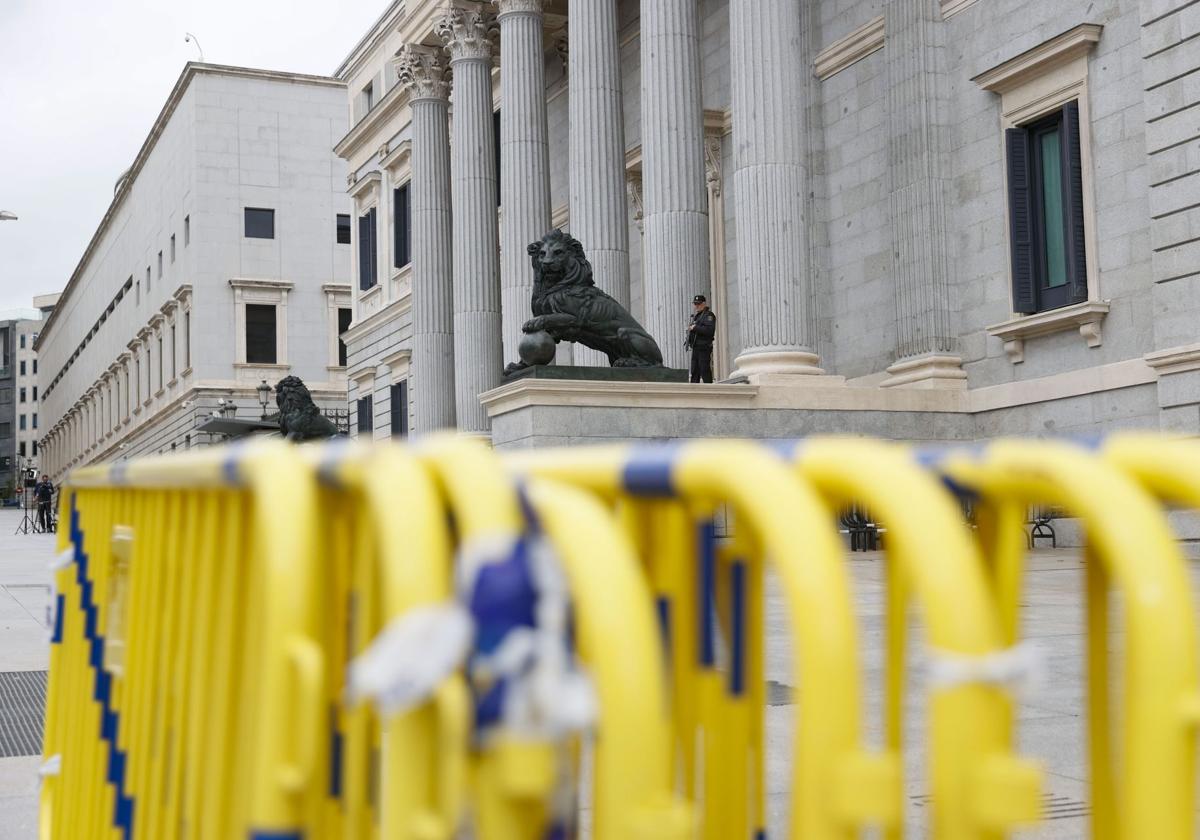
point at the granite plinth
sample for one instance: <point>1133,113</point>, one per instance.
<point>600,374</point>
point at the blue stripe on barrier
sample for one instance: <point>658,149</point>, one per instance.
<point>648,470</point>
<point>662,606</point>
<point>737,671</point>
<point>60,603</point>
<point>785,449</point>
<point>761,834</point>
<point>335,756</point>
<point>276,835</point>
<point>707,596</point>
<point>110,720</point>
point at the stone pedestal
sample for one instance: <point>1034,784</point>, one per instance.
<point>599,374</point>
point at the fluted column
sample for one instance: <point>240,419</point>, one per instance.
<point>675,239</point>
<point>478,351</point>
<point>524,158</point>
<point>598,209</point>
<point>770,184</point>
<point>917,128</point>
<point>425,73</point>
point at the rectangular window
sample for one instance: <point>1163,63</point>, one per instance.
<point>187,230</point>
<point>368,95</point>
<point>137,379</point>
<point>366,419</point>
<point>343,229</point>
<point>1045,197</point>
<point>21,364</point>
<point>35,449</point>
<point>21,398</point>
<point>160,364</point>
<point>160,264</point>
<point>187,340</point>
<point>147,279</point>
<point>260,223</point>
<point>368,271</point>
<point>22,341</point>
<point>21,423</point>
<point>35,419</point>
<point>344,316</point>
<point>260,334</point>
<point>400,409</point>
<point>402,226</point>
<point>35,367</point>
<point>172,247</point>
<point>35,393</point>
<point>173,354</point>
<point>21,449</point>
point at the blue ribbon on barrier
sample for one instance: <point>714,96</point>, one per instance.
<point>110,719</point>
<point>648,470</point>
<point>708,593</point>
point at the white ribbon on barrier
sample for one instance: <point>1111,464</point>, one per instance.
<point>1020,667</point>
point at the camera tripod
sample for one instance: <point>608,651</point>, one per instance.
<point>28,523</point>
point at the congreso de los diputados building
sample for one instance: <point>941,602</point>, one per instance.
<point>924,219</point>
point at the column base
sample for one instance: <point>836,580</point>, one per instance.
<point>941,371</point>
<point>779,367</point>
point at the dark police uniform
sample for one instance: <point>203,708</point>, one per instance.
<point>44,493</point>
<point>700,340</point>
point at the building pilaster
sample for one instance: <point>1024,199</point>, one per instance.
<point>675,238</point>
<point>770,185</point>
<point>925,343</point>
<point>524,159</point>
<point>426,75</point>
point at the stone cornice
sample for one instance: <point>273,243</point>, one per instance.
<point>361,189</point>
<point>394,157</point>
<point>953,7</point>
<point>259,283</point>
<point>1035,62</point>
<point>395,309</point>
<point>183,294</point>
<point>856,46</point>
<point>1174,359</point>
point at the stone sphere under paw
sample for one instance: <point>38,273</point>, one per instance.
<point>536,348</point>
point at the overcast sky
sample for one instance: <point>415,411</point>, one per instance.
<point>81,82</point>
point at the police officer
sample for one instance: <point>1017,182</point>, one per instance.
<point>700,339</point>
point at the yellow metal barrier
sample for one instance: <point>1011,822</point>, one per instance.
<point>216,612</point>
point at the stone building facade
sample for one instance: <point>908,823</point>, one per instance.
<point>925,219</point>
<point>222,261</point>
<point>18,399</point>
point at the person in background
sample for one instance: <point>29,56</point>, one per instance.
<point>700,339</point>
<point>43,491</point>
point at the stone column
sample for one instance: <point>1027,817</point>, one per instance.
<point>599,213</point>
<point>425,73</point>
<point>770,185</point>
<point>524,159</point>
<point>675,234</point>
<point>478,351</point>
<point>916,163</point>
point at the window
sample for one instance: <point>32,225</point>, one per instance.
<point>21,424</point>
<point>368,96</point>
<point>260,223</point>
<point>21,398</point>
<point>22,366</point>
<point>160,363</point>
<point>187,340</point>
<point>187,230</point>
<point>22,341</point>
<point>344,316</point>
<point>402,225</point>
<point>173,346</point>
<point>147,279</point>
<point>21,449</point>
<point>35,449</point>
<point>35,393</point>
<point>35,419</point>
<point>400,408</point>
<point>137,380</point>
<point>172,247</point>
<point>35,367</point>
<point>260,334</point>
<point>368,272</point>
<point>343,228</point>
<point>366,420</point>
<point>160,265</point>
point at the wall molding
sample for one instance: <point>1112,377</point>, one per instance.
<point>854,47</point>
<point>953,7</point>
<point>1041,59</point>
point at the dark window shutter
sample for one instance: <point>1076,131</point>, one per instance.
<point>366,250</point>
<point>1020,220</point>
<point>1073,167</point>
<point>366,415</point>
<point>400,408</point>
<point>344,316</point>
<point>402,209</point>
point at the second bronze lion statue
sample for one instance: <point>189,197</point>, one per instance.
<point>568,305</point>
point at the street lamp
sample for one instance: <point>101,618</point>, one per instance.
<point>264,397</point>
<point>6,216</point>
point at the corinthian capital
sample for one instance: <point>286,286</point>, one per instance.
<point>423,71</point>
<point>467,34</point>
<point>519,7</point>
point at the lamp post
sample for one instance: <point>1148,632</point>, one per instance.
<point>264,397</point>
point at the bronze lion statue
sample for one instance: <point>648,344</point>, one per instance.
<point>299,417</point>
<point>567,305</point>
